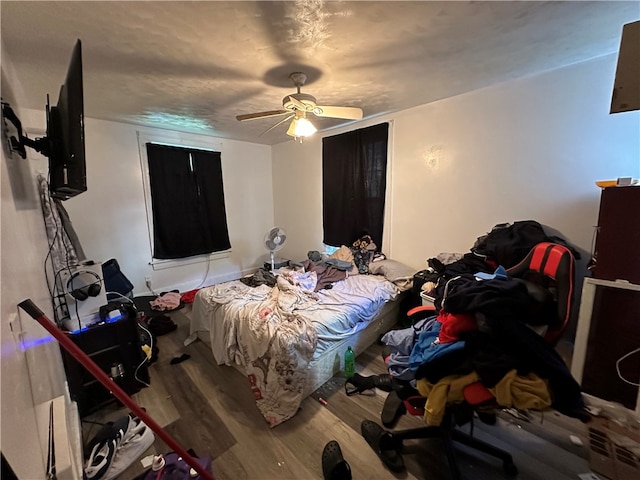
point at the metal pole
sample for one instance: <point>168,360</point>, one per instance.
<point>38,315</point>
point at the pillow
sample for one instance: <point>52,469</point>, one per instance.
<point>394,271</point>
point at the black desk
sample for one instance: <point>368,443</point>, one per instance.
<point>109,345</point>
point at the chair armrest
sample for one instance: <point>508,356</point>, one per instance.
<point>420,313</point>
<point>430,309</point>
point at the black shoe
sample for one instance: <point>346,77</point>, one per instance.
<point>334,467</point>
<point>392,410</point>
<point>384,444</point>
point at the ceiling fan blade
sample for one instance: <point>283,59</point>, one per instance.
<point>298,103</point>
<point>350,113</point>
<point>252,116</point>
<point>277,124</point>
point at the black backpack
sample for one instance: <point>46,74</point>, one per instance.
<point>508,244</point>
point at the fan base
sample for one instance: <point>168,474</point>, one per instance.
<point>277,263</point>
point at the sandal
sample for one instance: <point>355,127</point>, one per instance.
<point>392,410</point>
<point>360,384</point>
<point>384,444</point>
<point>384,382</point>
<point>334,466</point>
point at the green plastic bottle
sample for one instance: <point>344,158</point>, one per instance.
<point>349,363</point>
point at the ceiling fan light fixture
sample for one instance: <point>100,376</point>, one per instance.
<point>297,106</point>
<point>301,127</point>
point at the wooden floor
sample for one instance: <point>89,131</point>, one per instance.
<point>209,408</point>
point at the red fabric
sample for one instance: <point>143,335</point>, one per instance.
<point>553,261</point>
<point>415,405</point>
<point>475,393</point>
<point>453,324</point>
<point>187,297</point>
<point>537,257</point>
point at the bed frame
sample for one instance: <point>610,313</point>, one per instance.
<point>329,363</point>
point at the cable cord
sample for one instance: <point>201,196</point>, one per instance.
<point>618,367</point>
<point>53,288</point>
<point>148,285</point>
<point>47,258</point>
<point>146,357</point>
<point>135,374</point>
<point>206,274</point>
<point>121,296</point>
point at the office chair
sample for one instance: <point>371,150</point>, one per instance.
<point>552,266</point>
<point>547,271</point>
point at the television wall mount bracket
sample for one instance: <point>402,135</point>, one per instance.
<point>18,144</point>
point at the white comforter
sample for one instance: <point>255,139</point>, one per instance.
<point>274,332</point>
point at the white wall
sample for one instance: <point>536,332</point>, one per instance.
<point>111,220</point>
<point>31,367</point>
<point>527,149</point>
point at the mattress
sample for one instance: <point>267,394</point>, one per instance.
<point>286,338</point>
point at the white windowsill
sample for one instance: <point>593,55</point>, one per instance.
<point>158,264</point>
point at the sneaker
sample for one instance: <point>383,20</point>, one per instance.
<point>139,439</point>
<point>100,459</point>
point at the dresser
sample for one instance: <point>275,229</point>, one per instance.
<point>608,329</point>
<point>609,319</point>
<point>617,247</point>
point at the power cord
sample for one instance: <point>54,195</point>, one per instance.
<point>122,296</point>
<point>206,273</point>
<point>147,282</point>
<point>147,355</point>
<point>618,367</point>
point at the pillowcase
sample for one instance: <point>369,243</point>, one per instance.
<point>396,272</point>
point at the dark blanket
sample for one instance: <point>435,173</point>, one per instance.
<point>326,275</point>
<point>508,244</point>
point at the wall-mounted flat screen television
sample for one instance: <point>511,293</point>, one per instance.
<point>64,143</point>
<point>65,129</point>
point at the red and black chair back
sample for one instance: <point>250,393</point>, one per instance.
<point>552,266</point>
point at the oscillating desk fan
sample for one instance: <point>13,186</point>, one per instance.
<point>273,241</point>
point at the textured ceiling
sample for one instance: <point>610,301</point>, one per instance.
<point>193,66</point>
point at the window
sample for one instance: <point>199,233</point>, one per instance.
<point>354,176</point>
<point>187,201</point>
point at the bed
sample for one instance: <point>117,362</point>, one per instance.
<point>289,339</point>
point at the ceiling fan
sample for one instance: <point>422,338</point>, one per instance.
<point>296,107</point>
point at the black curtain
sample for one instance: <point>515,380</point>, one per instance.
<point>354,180</point>
<point>189,216</point>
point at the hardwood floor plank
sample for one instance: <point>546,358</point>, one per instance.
<point>158,402</point>
<point>228,392</point>
<point>211,409</point>
<point>211,434</point>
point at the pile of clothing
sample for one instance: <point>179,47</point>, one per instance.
<point>481,333</point>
